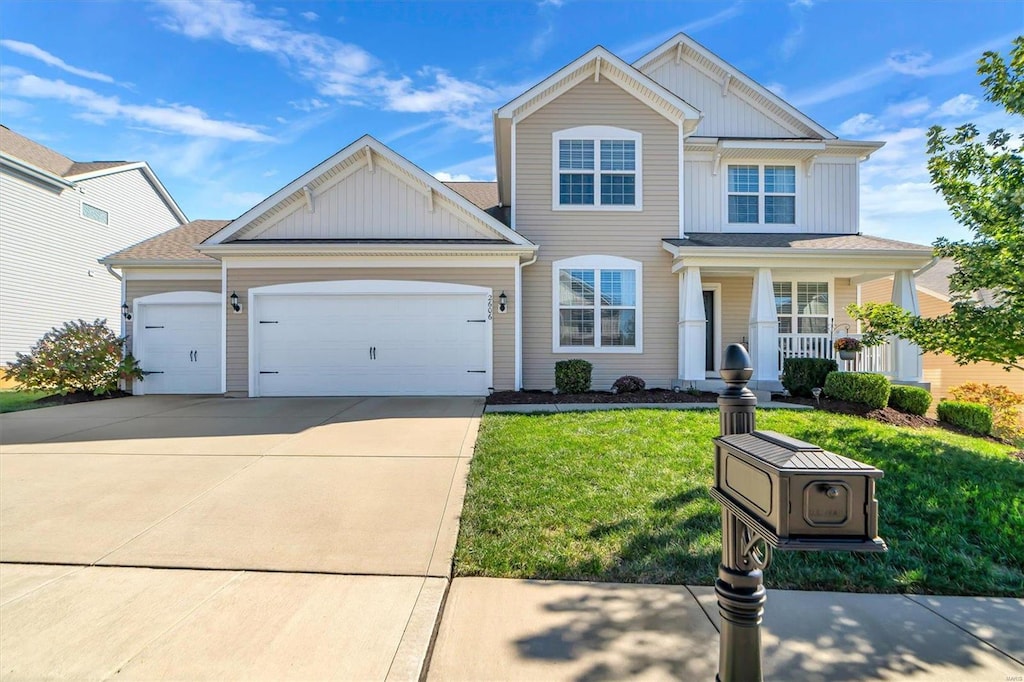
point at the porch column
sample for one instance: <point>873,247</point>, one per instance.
<point>692,326</point>
<point>764,328</point>
<point>907,364</point>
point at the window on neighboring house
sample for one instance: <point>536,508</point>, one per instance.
<point>93,213</point>
<point>762,194</point>
<point>597,304</point>
<point>808,312</point>
<point>597,167</point>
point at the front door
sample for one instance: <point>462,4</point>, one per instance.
<point>709,331</point>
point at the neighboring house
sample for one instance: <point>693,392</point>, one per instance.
<point>940,370</point>
<point>57,217</point>
<point>644,217</point>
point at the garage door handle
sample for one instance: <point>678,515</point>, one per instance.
<point>154,326</point>
<point>373,352</point>
<point>268,321</point>
<point>262,372</point>
<point>476,320</point>
<point>477,371</point>
<point>148,373</point>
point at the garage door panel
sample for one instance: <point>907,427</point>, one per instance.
<point>179,348</point>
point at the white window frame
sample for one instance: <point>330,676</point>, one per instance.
<point>81,212</point>
<point>596,263</point>
<point>793,281</point>
<point>597,134</point>
<point>761,225</point>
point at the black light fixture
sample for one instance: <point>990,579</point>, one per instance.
<point>502,302</point>
<point>124,311</point>
<point>234,303</point>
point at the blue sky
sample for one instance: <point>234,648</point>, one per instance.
<point>228,101</point>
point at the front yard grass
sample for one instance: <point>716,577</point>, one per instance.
<point>15,401</point>
<point>623,496</point>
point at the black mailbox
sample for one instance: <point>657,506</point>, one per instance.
<point>798,496</point>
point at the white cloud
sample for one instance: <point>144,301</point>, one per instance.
<point>16,108</point>
<point>859,125</point>
<point>30,50</point>
<point>644,45</point>
<point>909,62</point>
<point>309,16</point>
<point>480,169</point>
<point>96,108</point>
<point>961,105</point>
<point>801,3</point>
<point>270,173</point>
<point>908,109</point>
<point>308,105</point>
<point>791,43</point>
<point>778,88</point>
<point>448,177</point>
<point>240,202</point>
<point>550,3</point>
<point>281,119</point>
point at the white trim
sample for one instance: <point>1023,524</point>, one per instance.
<point>514,202</point>
<point>34,172</point>
<point>224,327</point>
<point>502,261</point>
<point>168,298</point>
<point>360,287</point>
<point>809,278</point>
<point>596,134</point>
<point>716,289</point>
<point>597,262</point>
<point>518,372</point>
<point>761,225</point>
<point>681,176</point>
<point>140,274</point>
<point>386,153</point>
<point>148,173</point>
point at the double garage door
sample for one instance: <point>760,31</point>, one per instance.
<point>324,339</point>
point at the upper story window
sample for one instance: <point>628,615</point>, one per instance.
<point>93,213</point>
<point>597,168</point>
<point>598,305</point>
<point>762,194</point>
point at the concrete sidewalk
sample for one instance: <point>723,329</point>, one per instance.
<point>595,407</point>
<point>495,629</point>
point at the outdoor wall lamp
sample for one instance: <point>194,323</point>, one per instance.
<point>502,303</point>
<point>235,305</point>
<point>124,311</point>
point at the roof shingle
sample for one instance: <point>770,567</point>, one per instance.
<point>757,240</point>
<point>43,157</point>
<point>177,244</point>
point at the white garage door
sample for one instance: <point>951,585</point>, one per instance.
<point>371,338</point>
<point>177,343</point>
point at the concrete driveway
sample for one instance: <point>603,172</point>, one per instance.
<point>318,532</point>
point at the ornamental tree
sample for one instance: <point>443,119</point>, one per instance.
<point>982,181</point>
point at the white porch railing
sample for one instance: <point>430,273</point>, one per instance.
<point>877,359</point>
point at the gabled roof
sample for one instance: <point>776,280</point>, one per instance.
<point>176,246</point>
<point>49,166</point>
<point>794,240</point>
<point>600,63</point>
<point>363,152</point>
<point>679,44</point>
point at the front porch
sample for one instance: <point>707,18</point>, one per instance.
<point>783,301</point>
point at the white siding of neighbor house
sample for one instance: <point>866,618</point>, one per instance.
<point>629,234</point>
<point>827,200</point>
<point>370,205</point>
<point>240,280</point>
<point>48,251</point>
<point>734,115</point>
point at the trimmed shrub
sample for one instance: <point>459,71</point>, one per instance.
<point>800,375</point>
<point>76,357</point>
<point>973,417</point>
<point>912,399</point>
<point>858,387</point>
<point>628,384</point>
<point>573,376</point>
<point>1007,418</point>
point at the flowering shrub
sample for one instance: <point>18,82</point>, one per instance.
<point>1007,420</point>
<point>628,384</point>
<point>847,343</point>
<point>76,357</point>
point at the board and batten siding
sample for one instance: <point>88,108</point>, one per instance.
<point>629,234</point>
<point>827,200</point>
<point>48,251</point>
<point>240,280</point>
<point>370,205</point>
<point>728,116</point>
<point>940,369</point>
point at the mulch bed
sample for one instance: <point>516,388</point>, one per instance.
<point>653,395</point>
<point>81,397</point>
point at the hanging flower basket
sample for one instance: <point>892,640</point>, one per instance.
<point>848,347</point>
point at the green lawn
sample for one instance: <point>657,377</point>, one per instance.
<point>623,496</point>
<point>14,401</point>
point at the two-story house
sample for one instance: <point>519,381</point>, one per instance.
<point>57,217</point>
<point>644,216</point>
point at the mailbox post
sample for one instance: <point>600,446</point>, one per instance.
<point>780,493</point>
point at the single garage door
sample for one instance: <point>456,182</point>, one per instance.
<point>371,338</point>
<point>177,342</point>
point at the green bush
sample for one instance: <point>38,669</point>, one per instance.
<point>76,357</point>
<point>800,375</point>
<point>858,387</point>
<point>910,399</point>
<point>628,384</point>
<point>573,376</point>
<point>973,417</point>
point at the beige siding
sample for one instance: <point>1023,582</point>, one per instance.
<point>730,116</point>
<point>941,371</point>
<point>374,205</point>
<point>635,235</point>
<point>497,279</point>
<point>137,288</point>
<point>830,196</point>
<point>48,251</point>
